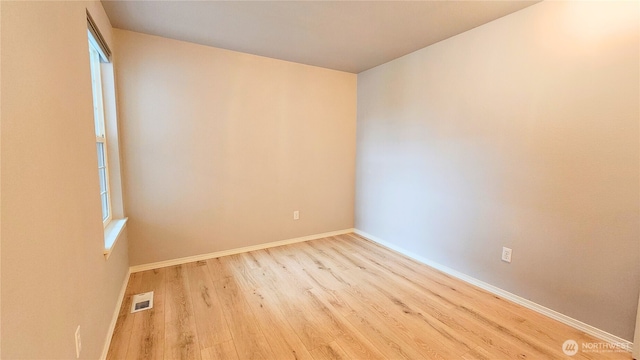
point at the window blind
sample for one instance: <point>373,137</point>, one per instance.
<point>93,29</point>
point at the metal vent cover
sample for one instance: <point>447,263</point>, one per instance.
<point>142,301</point>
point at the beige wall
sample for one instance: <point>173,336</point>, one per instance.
<point>54,275</point>
<point>221,147</point>
<point>521,133</point>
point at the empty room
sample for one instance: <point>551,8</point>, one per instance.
<point>319,179</point>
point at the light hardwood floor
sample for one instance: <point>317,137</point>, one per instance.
<point>341,297</point>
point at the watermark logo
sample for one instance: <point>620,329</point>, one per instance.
<point>570,347</point>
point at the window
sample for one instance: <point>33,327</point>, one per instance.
<point>96,56</point>
<point>106,131</point>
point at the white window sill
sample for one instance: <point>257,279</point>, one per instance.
<point>111,234</point>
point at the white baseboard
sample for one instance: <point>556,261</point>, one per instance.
<point>188,259</point>
<point>579,325</point>
<point>114,317</point>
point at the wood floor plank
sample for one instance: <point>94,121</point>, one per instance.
<point>350,339</point>
<point>251,260</point>
<point>320,249</point>
<point>210,321</point>
<point>300,316</point>
<point>383,336</point>
<point>320,271</point>
<point>430,337</point>
<point>288,266</point>
<point>342,297</point>
<point>327,325</point>
<point>181,340</point>
<point>282,338</point>
<point>147,337</point>
<point>383,263</point>
<point>503,340</point>
<point>330,310</point>
<point>331,351</point>
<point>218,268</point>
<point>221,351</point>
<point>339,249</point>
<point>248,338</point>
<point>270,278</point>
<point>415,312</point>
<point>477,353</point>
<point>235,266</point>
<point>553,335</point>
<point>433,338</point>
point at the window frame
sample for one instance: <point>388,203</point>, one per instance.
<point>96,57</point>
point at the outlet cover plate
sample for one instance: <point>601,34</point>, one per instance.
<point>506,254</point>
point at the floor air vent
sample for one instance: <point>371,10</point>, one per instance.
<point>142,301</point>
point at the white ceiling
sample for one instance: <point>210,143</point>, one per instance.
<point>351,36</point>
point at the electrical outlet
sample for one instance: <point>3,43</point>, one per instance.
<point>506,254</point>
<point>296,215</point>
<point>78,343</point>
